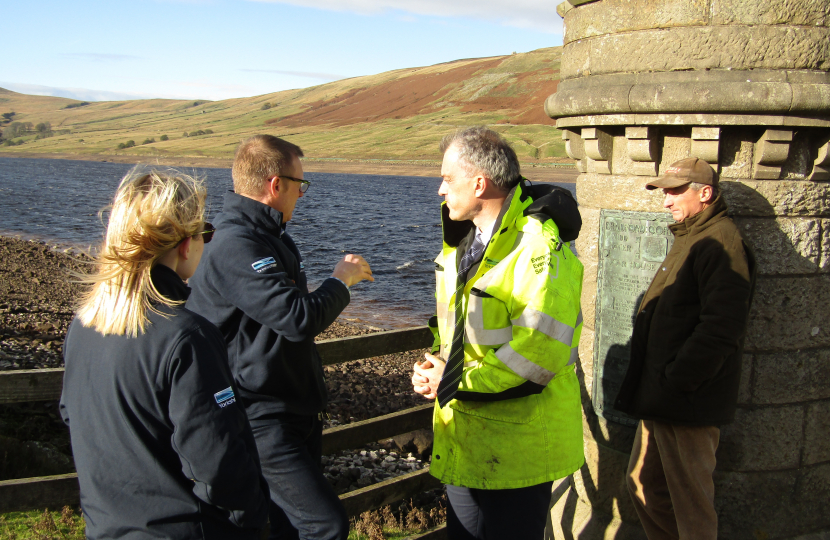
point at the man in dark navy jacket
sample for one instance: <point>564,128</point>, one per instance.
<point>252,285</point>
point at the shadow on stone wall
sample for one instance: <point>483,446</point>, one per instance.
<point>776,443</point>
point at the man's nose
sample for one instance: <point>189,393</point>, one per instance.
<point>667,202</point>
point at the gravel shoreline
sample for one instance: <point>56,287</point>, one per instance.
<point>37,302</point>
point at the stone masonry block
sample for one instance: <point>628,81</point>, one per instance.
<point>589,295</point>
<point>816,429</point>
<point>698,48</point>
<point>789,313</point>
<point>736,149</point>
<point>602,481</point>
<point>821,163</point>
<point>784,245</point>
<point>586,244</point>
<point>825,245</point>
<point>746,511</point>
<point>571,518</point>
<point>675,148</point>
<point>745,389</point>
<point>809,501</point>
<point>777,198</point>
<point>794,12</point>
<point>791,377</point>
<point>762,440</point>
<point>586,357</point>
<point>617,193</point>
<point>608,17</point>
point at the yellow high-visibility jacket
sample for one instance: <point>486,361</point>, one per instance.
<point>516,420</point>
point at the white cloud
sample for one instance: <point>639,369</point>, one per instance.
<point>305,74</point>
<point>81,94</point>
<point>536,14</point>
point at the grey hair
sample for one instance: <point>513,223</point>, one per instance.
<point>696,186</point>
<point>484,151</point>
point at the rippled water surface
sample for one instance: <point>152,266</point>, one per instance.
<point>393,221</point>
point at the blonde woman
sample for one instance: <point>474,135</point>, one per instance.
<point>161,446</point>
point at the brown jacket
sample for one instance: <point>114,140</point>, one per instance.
<point>688,335</point>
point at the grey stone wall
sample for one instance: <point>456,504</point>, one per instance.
<point>744,85</point>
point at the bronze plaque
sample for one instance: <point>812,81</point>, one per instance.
<point>631,247</point>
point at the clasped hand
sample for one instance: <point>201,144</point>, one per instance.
<point>427,376</point>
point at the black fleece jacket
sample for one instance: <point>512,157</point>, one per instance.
<point>251,284</point>
<point>161,447</point>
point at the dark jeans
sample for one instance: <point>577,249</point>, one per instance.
<point>303,503</point>
<point>498,514</point>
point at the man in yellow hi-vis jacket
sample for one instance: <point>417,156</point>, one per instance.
<point>507,417</point>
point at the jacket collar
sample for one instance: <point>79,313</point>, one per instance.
<point>260,216</point>
<point>168,283</point>
<point>702,220</point>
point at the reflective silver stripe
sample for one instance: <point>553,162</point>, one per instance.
<point>524,367</point>
<point>574,356</point>
<point>471,363</point>
<point>474,331</point>
<point>441,310</point>
<point>536,320</point>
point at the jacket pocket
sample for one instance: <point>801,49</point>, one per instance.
<point>515,411</point>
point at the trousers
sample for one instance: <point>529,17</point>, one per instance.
<point>670,480</point>
<point>495,514</point>
<point>304,505</point>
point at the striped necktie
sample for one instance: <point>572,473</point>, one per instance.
<point>455,363</point>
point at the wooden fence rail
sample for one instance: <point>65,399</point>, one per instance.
<point>25,385</point>
<point>60,490</point>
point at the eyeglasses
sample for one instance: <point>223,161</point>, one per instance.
<point>208,232</point>
<point>303,183</point>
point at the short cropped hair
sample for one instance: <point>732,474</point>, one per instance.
<point>697,187</point>
<point>483,151</point>
<point>259,158</point>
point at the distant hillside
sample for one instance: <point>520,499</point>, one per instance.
<point>397,115</point>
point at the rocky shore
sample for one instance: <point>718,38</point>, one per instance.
<point>37,299</point>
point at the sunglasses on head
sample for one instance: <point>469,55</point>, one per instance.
<point>208,232</point>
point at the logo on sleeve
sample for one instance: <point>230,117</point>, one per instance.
<point>225,397</point>
<point>264,264</point>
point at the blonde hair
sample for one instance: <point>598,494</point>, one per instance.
<point>153,212</point>
<point>259,158</point>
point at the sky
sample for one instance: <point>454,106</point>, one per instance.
<point>219,49</point>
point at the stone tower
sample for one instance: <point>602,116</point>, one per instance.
<point>743,85</point>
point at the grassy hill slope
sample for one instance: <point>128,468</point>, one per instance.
<point>397,115</point>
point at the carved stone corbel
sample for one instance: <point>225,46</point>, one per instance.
<point>706,144</point>
<point>821,165</point>
<point>575,148</point>
<point>643,149</point>
<point>771,151</point>
<point>598,146</point>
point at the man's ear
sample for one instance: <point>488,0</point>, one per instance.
<point>705,194</point>
<point>184,248</point>
<point>480,185</point>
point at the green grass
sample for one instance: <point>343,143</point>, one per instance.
<point>42,525</point>
<point>69,525</point>
<point>103,125</point>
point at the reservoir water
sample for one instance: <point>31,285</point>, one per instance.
<point>393,221</point>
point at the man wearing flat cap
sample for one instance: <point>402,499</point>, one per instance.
<point>686,347</point>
